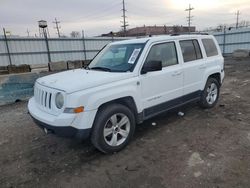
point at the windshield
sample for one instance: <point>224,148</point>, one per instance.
<point>117,58</point>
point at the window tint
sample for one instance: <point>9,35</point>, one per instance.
<point>210,47</point>
<point>118,57</point>
<point>166,53</point>
<point>190,50</point>
<point>197,49</point>
<point>120,53</point>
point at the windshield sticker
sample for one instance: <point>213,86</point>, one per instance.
<point>134,56</point>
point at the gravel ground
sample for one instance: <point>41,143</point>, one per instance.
<point>205,148</point>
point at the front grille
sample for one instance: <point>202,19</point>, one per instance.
<point>43,98</point>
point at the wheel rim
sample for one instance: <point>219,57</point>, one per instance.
<point>116,129</point>
<point>212,93</point>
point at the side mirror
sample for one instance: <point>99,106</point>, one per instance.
<point>151,66</point>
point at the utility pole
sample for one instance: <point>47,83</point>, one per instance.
<point>84,45</point>
<point>48,32</point>
<point>237,19</point>
<point>124,22</point>
<point>189,18</point>
<point>57,27</point>
<point>28,33</point>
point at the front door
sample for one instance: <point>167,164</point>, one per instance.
<point>160,88</point>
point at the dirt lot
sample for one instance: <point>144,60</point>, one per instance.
<point>205,148</point>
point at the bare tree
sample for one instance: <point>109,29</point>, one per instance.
<point>75,34</point>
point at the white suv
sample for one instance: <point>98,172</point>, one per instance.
<point>127,83</point>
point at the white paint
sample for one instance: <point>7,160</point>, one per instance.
<point>197,174</point>
<point>211,155</point>
<point>195,159</point>
<point>154,124</point>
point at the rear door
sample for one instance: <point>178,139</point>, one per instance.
<point>193,67</point>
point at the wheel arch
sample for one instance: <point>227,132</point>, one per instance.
<point>216,76</point>
<point>127,101</point>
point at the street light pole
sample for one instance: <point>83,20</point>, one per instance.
<point>7,46</point>
<point>43,24</point>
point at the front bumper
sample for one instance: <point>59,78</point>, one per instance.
<point>64,125</point>
<point>68,131</point>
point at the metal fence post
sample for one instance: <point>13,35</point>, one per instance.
<point>84,46</point>
<point>7,46</point>
<point>112,36</point>
<point>224,40</point>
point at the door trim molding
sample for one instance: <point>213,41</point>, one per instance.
<point>169,105</point>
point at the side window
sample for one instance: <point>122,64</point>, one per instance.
<point>166,53</point>
<point>197,49</point>
<point>190,50</point>
<point>210,47</point>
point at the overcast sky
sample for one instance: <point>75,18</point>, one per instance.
<point>98,16</point>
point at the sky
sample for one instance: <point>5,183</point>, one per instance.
<point>96,17</point>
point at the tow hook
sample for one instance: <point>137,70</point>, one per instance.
<point>46,131</point>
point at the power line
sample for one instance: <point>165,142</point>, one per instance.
<point>237,19</point>
<point>57,27</point>
<point>97,14</point>
<point>189,18</point>
<point>124,22</point>
<point>98,17</point>
<point>103,9</point>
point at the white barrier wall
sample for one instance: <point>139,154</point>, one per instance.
<point>35,51</point>
<point>234,39</point>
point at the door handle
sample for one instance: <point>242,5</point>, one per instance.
<point>177,73</point>
<point>202,67</point>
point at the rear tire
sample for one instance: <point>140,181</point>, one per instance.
<point>210,94</point>
<point>113,128</point>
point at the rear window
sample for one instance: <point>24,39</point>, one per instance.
<point>210,47</point>
<point>190,50</point>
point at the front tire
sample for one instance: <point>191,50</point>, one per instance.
<point>210,94</point>
<point>113,128</point>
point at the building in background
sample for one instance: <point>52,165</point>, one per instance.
<point>152,30</point>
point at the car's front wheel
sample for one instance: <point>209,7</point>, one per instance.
<point>113,128</point>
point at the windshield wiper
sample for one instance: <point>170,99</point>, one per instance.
<point>87,68</point>
<point>101,68</point>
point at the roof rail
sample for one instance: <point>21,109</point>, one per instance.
<point>192,33</point>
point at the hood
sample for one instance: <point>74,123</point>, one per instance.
<point>80,79</point>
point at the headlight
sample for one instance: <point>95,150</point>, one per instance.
<point>59,100</point>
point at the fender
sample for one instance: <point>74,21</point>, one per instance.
<point>93,98</point>
<point>209,71</point>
